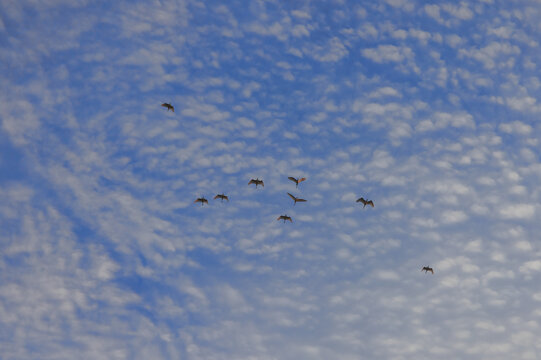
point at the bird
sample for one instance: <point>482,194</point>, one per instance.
<point>221,196</point>
<point>284,217</point>
<point>296,199</point>
<point>256,182</point>
<point>426,269</point>
<point>365,202</point>
<point>169,107</point>
<point>296,181</point>
<point>202,200</point>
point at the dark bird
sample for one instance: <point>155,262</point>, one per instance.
<point>296,199</point>
<point>284,217</point>
<point>202,200</point>
<point>426,269</point>
<point>365,202</point>
<point>221,196</point>
<point>169,107</point>
<point>256,182</point>
<point>296,181</point>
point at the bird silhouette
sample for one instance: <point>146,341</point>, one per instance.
<point>284,217</point>
<point>221,196</point>
<point>365,202</point>
<point>256,182</point>
<point>169,107</point>
<point>426,269</point>
<point>296,199</point>
<point>202,200</point>
<point>296,181</point>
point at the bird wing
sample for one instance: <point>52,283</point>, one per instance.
<point>197,200</point>
<point>371,203</point>
<point>204,200</point>
<point>302,179</point>
<point>432,271</point>
<point>261,182</point>
<point>301,200</point>
<point>292,179</point>
<point>217,197</point>
<point>293,197</point>
<point>361,200</point>
<point>280,217</point>
<point>252,182</point>
<point>225,197</point>
<point>289,218</point>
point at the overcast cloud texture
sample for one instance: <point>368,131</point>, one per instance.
<point>429,109</point>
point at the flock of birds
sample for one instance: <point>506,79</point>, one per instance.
<point>257,182</point>
<point>295,199</point>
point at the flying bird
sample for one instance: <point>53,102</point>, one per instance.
<point>296,181</point>
<point>221,196</point>
<point>365,202</point>
<point>284,217</point>
<point>202,200</point>
<point>256,182</point>
<point>296,199</point>
<point>169,107</point>
<point>426,269</point>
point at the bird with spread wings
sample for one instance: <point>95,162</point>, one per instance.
<point>221,196</point>
<point>169,107</point>
<point>365,202</point>
<point>284,217</point>
<point>296,181</point>
<point>202,200</point>
<point>427,269</point>
<point>296,199</point>
<point>256,182</point>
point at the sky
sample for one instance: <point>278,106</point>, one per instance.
<point>427,108</point>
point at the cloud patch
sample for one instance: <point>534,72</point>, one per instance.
<point>388,54</point>
<point>518,211</point>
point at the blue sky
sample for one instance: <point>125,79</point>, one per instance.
<point>428,109</point>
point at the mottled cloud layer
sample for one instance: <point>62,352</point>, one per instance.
<point>430,110</point>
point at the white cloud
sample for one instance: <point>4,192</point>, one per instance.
<point>367,31</point>
<point>453,216</point>
<point>462,11</point>
<point>19,119</point>
<point>523,245</point>
<point>233,298</point>
<point>524,103</point>
<point>504,32</point>
<point>105,268</point>
<point>529,266</point>
<point>385,91</point>
<point>474,246</point>
<point>442,120</point>
<point>517,211</point>
<point>387,275</point>
<point>433,11</point>
<point>388,53</point>
<point>454,40</point>
<point>403,4</point>
<point>333,51</point>
<point>300,31</point>
<point>275,29</point>
<point>490,54</point>
<point>422,36</point>
<point>301,14</point>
